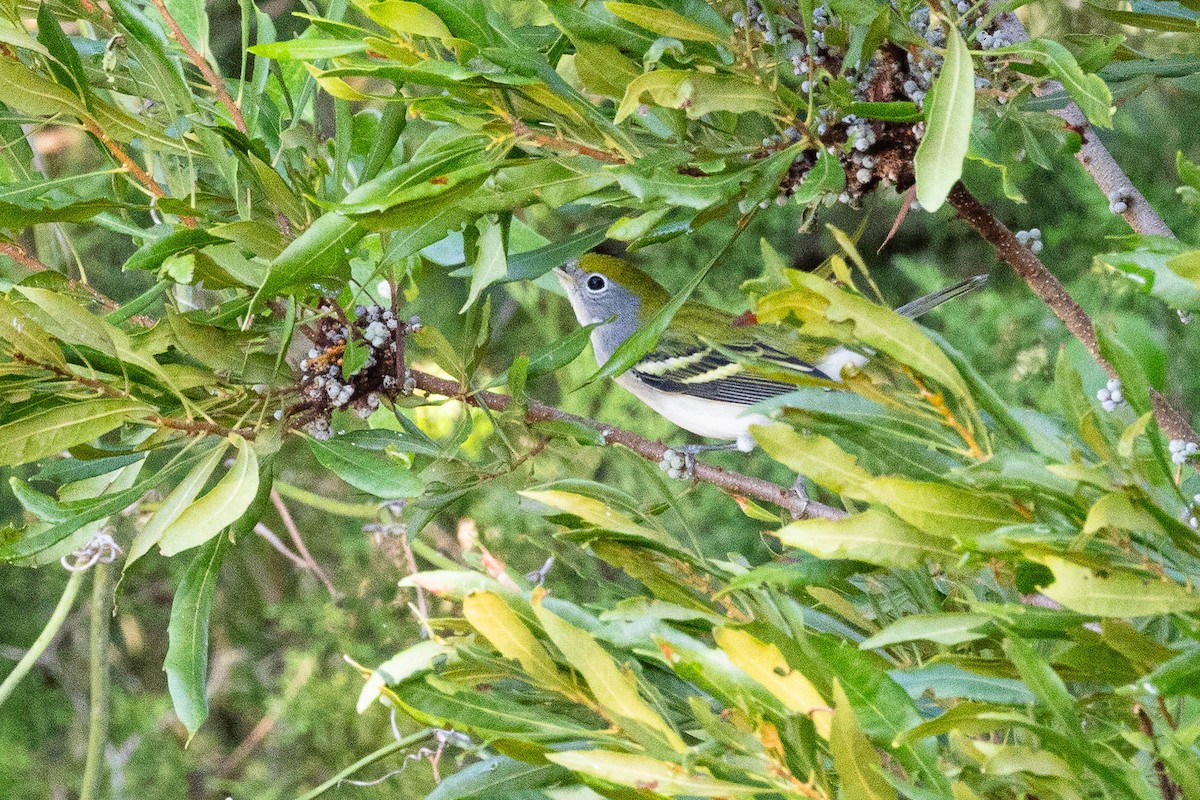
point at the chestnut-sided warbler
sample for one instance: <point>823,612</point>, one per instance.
<point>707,367</point>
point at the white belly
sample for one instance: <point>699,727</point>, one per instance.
<point>712,419</point>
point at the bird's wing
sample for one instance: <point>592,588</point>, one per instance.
<point>693,365</point>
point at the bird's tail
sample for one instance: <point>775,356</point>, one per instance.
<point>923,305</point>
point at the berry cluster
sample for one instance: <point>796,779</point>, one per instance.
<point>872,152</point>
<point>1032,239</point>
<point>1110,396</point>
<point>676,465</point>
<point>351,363</point>
<point>1182,450</point>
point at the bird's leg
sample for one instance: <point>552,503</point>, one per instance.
<point>680,462</point>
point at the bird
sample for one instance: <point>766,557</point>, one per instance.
<point>708,366</point>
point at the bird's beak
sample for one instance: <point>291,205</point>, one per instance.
<point>568,274</point>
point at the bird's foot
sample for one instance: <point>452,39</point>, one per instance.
<point>800,489</point>
<point>680,462</point>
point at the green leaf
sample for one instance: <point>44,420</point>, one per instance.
<point>497,777</point>
<point>491,262</point>
<point>602,515</point>
<point>872,536</point>
<point>666,22</point>
<point>368,470</point>
<point>949,110</point>
<point>1046,685</point>
<point>663,778</point>
<point>663,85</point>
<point>176,503</point>
<point>490,615</point>
<point>27,337</point>
<point>614,688</point>
<point>826,177</point>
<point>1114,592</point>
<point>947,628</point>
<point>943,510</point>
<point>317,254</point>
<point>222,506</point>
<point>816,457</point>
<point>1089,92</point>
<point>53,430</point>
<point>857,763</point>
<point>186,663</point>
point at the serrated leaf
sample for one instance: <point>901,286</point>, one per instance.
<point>949,110</point>
<point>222,506</point>
<point>816,457</point>
<point>765,664</point>
<point>857,762</point>
<point>186,663</point>
<point>490,615</point>
<point>1115,592</point>
<point>615,689</point>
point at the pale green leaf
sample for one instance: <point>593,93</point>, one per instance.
<point>1114,592</point>
<point>949,109</point>
<point>222,506</point>
<point>490,615</point>
<point>873,536</point>
<point>648,774</point>
<point>857,762</point>
<point>664,22</point>
<point>176,503</point>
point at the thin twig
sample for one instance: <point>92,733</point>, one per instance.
<point>422,602</point>
<point>22,257</point>
<point>44,639</point>
<point>301,548</point>
<point>210,76</point>
<point>733,482</point>
<point>1048,287</point>
<point>1166,786</point>
<point>275,542</point>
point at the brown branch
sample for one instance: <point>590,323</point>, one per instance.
<point>210,76</point>
<point>131,166</point>
<point>301,548</point>
<point>521,130</point>
<point>19,255</point>
<point>1166,786</point>
<point>732,482</point>
<point>1095,158</point>
<point>1048,287</point>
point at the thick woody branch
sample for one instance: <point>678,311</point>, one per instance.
<point>210,76</point>
<point>1093,155</point>
<point>732,482</point>
<point>1054,294</point>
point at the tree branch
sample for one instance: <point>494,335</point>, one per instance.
<point>1093,155</point>
<point>732,482</point>
<point>210,76</point>
<point>1048,287</point>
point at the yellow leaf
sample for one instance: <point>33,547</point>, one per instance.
<point>766,665</point>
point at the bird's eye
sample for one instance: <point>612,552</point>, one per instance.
<point>596,283</point>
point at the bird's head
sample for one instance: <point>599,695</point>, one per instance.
<point>602,287</point>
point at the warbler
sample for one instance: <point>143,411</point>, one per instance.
<point>708,366</point>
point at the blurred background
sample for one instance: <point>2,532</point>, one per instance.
<point>283,717</point>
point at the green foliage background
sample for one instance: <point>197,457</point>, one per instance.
<point>277,642</point>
